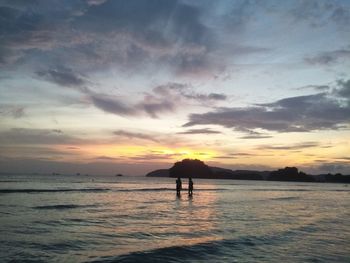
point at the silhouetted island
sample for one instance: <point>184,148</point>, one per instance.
<point>198,169</point>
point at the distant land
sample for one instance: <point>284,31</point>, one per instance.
<point>198,169</point>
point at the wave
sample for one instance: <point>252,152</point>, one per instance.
<point>29,191</point>
<point>285,198</point>
<point>61,207</point>
<point>169,189</point>
<point>293,190</point>
<point>215,250</point>
<point>208,251</point>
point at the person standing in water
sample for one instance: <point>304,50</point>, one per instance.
<point>178,186</point>
<point>190,186</point>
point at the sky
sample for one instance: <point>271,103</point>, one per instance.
<point>111,86</point>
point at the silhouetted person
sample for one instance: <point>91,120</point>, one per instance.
<point>190,186</point>
<point>178,186</point>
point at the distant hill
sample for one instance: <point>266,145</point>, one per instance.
<point>198,169</point>
<point>159,173</point>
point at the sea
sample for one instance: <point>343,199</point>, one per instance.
<point>78,218</point>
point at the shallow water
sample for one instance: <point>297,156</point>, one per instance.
<point>124,219</point>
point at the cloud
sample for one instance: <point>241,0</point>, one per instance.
<point>165,98</point>
<point>234,155</point>
<point>150,156</point>
<point>73,148</point>
<point>217,96</point>
<point>334,167</point>
<point>343,89</point>
<point>180,91</point>
<point>162,99</point>
<point>63,77</point>
<point>200,131</point>
<point>322,111</point>
<point>17,136</point>
<point>255,135</point>
<point>318,13</point>
<point>319,88</point>
<point>154,105</point>
<point>166,32</point>
<point>35,25</point>
<point>15,112</point>
<point>57,131</point>
<point>330,57</point>
<point>42,152</point>
<point>98,34</point>
<point>136,135</point>
<point>171,96</point>
<point>95,2</point>
<point>106,158</point>
<point>297,146</point>
<point>112,105</point>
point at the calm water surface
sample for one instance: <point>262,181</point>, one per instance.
<point>124,219</point>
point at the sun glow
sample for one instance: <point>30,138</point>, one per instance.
<point>144,153</point>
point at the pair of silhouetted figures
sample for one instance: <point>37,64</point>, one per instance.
<point>179,186</point>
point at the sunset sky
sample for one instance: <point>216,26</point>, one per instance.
<point>105,87</point>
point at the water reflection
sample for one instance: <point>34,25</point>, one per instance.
<point>258,219</point>
<point>153,217</point>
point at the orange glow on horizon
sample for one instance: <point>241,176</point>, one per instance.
<point>135,152</point>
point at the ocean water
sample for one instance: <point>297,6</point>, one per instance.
<point>124,219</point>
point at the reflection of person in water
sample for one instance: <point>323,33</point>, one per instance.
<point>178,186</point>
<point>190,186</point>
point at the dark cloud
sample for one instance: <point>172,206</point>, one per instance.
<point>330,57</point>
<point>42,152</point>
<point>99,33</point>
<point>112,105</point>
<point>136,135</point>
<point>344,158</point>
<point>234,155</point>
<point>105,102</point>
<point>295,114</point>
<point>204,97</point>
<point>18,136</point>
<point>239,15</point>
<point>333,167</point>
<point>99,167</point>
<point>73,148</point>
<point>150,156</point>
<point>63,77</point>
<point>106,158</point>
<point>171,96</point>
<point>318,13</point>
<point>178,91</point>
<point>153,105</point>
<point>217,96</point>
<point>200,131</point>
<point>341,15</point>
<point>319,88</point>
<point>297,146</point>
<point>146,20</point>
<point>30,26</point>
<point>15,112</point>
<point>343,90</point>
<point>225,157</point>
<point>153,31</point>
<point>162,99</point>
<point>57,131</point>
